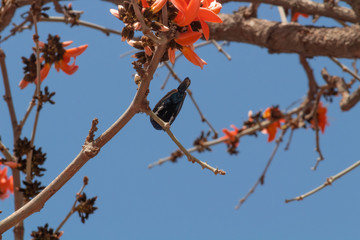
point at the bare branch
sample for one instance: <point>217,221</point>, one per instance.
<point>191,158</point>
<point>261,179</point>
<point>7,95</point>
<point>73,209</point>
<point>105,30</point>
<point>312,82</point>
<point>328,182</point>
<point>345,68</point>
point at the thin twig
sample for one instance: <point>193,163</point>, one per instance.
<point>7,96</point>
<point>289,140</point>
<point>311,79</point>
<point>6,152</point>
<point>328,182</point>
<point>221,49</point>
<point>261,179</point>
<point>105,30</point>
<point>166,80</point>
<point>37,93</point>
<point>282,14</point>
<point>191,158</point>
<point>28,111</point>
<point>73,208</point>
<point>345,68</point>
<point>317,137</point>
<point>203,119</point>
<point>17,28</point>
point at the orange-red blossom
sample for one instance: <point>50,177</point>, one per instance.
<point>189,11</point>
<point>321,118</point>
<point>230,136</point>
<point>296,15</point>
<point>6,184</point>
<point>271,130</point>
<point>62,64</point>
<point>186,40</point>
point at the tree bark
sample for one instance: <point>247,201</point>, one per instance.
<point>308,41</point>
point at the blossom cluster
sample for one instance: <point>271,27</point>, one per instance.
<point>186,24</point>
<point>273,114</point>
<point>53,52</point>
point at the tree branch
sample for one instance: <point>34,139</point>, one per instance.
<point>328,182</point>
<point>310,7</point>
<point>105,30</point>
<point>307,41</point>
<point>166,127</point>
<point>89,150</point>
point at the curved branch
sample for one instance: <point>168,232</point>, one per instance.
<point>89,150</point>
<point>307,41</point>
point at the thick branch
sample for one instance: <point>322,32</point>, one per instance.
<point>310,7</point>
<point>307,41</point>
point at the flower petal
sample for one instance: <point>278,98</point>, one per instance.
<point>158,5</point>
<point>205,29</point>
<point>208,15</point>
<point>44,72</point>
<point>23,84</point>
<point>192,56</point>
<point>171,55</point>
<point>187,38</point>
<point>115,13</point>
<point>191,12</point>
<point>73,52</point>
<point>180,5</point>
<point>67,43</point>
<point>144,4</point>
<point>68,69</point>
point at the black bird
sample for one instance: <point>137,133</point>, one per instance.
<point>170,105</point>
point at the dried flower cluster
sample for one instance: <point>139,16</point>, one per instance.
<point>23,147</point>
<point>45,233</point>
<point>85,207</point>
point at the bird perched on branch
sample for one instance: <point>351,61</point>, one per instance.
<point>170,105</point>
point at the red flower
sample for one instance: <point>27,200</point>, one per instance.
<point>296,15</point>
<point>230,136</point>
<point>271,113</point>
<point>186,40</point>
<point>190,55</point>
<point>191,11</point>
<point>321,117</point>
<point>6,184</point>
<point>62,63</point>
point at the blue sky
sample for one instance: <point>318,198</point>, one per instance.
<point>181,201</point>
